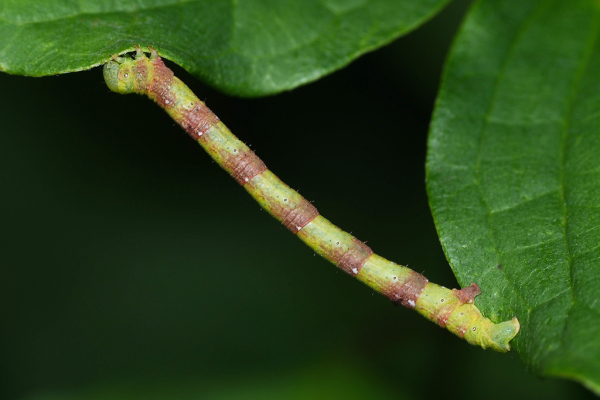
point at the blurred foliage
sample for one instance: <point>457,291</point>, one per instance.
<point>337,377</point>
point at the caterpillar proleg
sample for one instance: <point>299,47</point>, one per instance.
<point>452,309</point>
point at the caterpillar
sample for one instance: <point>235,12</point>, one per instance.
<point>449,308</point>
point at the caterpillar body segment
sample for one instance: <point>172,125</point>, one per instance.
<point>452,309</point>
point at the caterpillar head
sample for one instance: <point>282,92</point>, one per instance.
<point>118,75</point>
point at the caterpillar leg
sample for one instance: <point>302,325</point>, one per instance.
<point>455,311</point>
<point>153,53</point>
<point>468,294</point>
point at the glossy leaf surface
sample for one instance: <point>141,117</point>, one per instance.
<point>513,175</point>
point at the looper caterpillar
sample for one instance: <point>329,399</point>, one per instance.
<point>452,309</point>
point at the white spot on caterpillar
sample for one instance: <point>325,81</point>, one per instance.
<point>167,102</point>
<point>298,227</point>
<point>200,134</point>
<point>412,303</point>
<point>245,179</point>
<point>355,271</point>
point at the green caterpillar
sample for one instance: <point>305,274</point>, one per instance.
<point>452,309</point>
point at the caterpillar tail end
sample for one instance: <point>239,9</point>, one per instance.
<point>501,334</point>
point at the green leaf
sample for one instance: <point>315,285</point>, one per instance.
<point>514,177</point>
<point>246,48</point>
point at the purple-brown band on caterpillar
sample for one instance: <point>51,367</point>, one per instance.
<point>160,85</point>
<point>407,292</point>
<point>464,296</point>
<point>294,211</point>
<point>198,120</point>
<point>246,166</point>
<point>350,259</point>
<point>441,318</point>
<point>353,260</point>
<point>298,217</point>
<point>140,76</point>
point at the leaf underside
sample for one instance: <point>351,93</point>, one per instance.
<point>246,48</point>
<point>514,177</point>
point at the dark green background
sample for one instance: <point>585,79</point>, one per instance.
<point>133,267</point>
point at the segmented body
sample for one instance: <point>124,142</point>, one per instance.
<point>452,309</point>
